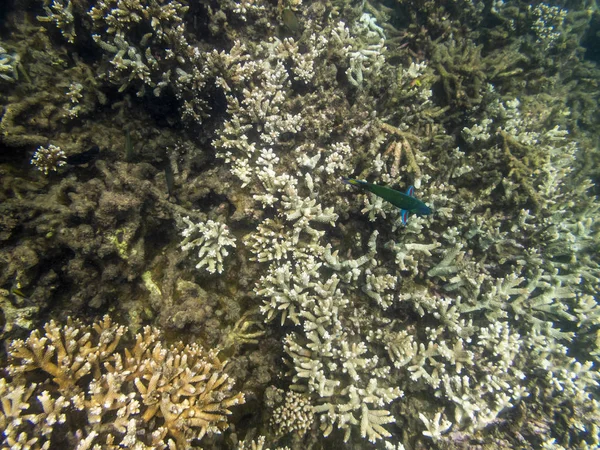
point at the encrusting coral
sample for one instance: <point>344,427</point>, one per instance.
<point>91,394</point>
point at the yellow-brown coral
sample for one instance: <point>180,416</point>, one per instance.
<point>146,396</point>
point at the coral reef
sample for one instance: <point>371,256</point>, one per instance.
<point>94,395</point>
<point>215,211</point>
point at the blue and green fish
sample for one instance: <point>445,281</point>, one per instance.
<point>406,202</point>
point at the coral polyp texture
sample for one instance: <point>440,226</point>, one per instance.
<point>49,159</point>
<point>90,393</point>
<point>215,211</point>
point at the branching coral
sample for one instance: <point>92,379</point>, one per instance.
<point>9,66</point>
<point>212,241</point>
<point>160,58</point>
<point>338,294</point>
<point>49,159</point>
<point>147,396</point>
<point>61,13</point>
<point>294,414</point>
<point>445,332</point>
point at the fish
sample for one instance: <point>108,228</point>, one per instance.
<point>405,201</point>
<point>129,150</point>
<point>290,21</point>
<point>20,298</point>
<point>84,157</point>
<point>170,179</point>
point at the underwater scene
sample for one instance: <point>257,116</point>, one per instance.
<point>299,224</point>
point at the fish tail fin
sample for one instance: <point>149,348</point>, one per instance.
<point>404,215</point>
<point>353,181</point>
<point>410,191</point>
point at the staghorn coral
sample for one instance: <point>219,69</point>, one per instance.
<point>437,269</point>
<point>160,59</point>
<point>163,397</point>
<point>212,240</point>
<point>470,327</point>
<point>61,13</point>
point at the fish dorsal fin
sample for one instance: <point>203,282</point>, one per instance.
<point>404,215</point>
<point>410,191</point>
